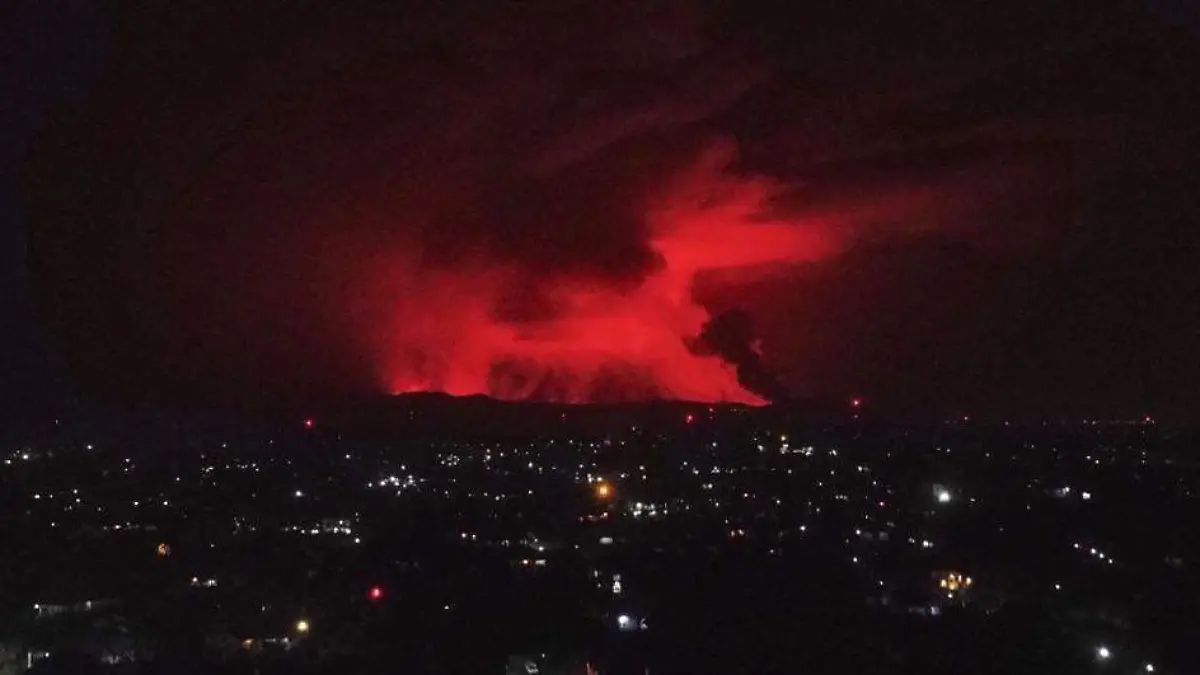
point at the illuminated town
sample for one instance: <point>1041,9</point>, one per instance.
<point>694,540</point>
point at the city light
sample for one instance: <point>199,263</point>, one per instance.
<point>954,581</point>
<point>718,496</point>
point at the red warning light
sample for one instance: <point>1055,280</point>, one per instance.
<point>689,418</point>
<point>308,423</point>
<point>375,593</point>
<point>856,402</point>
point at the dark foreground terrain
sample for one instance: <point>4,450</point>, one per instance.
<point>472,537</point>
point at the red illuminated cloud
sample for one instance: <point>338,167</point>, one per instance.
<point>596,339</point>
<point>517,200</point>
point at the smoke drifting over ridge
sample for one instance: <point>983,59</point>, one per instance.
<point>573,202</point>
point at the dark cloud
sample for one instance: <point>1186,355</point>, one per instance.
<point>731,336</point>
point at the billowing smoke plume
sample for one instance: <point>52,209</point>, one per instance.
<point>731,336</point>
<point>526,330</point>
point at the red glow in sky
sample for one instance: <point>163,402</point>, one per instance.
<point>526,202</point>
<point>603,340</point>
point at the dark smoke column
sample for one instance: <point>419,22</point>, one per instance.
<point>730,335</point>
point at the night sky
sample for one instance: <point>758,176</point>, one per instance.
<point>943,208</point>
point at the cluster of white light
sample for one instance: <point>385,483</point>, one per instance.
<point>117,527</point>
<point>639,509</point>
<point>396,482</point>
<point>1066,492</point>
<point>340,528</point>
<point>1096,553</point>
<point>628,623</point>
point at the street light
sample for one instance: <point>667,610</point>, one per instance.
<point>302,626</point>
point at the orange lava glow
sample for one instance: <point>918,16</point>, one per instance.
<point>602,341</point>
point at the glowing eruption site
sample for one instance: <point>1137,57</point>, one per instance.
<point>473,218</point>
<point>589,202</point>
<point>599,339</point>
